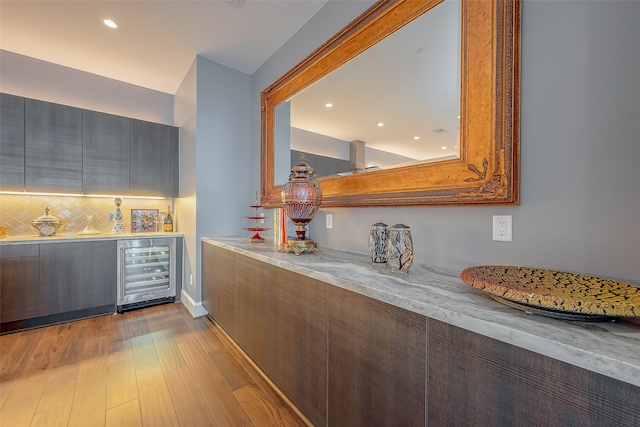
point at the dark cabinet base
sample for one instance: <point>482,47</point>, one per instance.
<point>52,319</point>
<point>143,304</point>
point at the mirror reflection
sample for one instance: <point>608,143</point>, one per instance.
<point>395,104</point>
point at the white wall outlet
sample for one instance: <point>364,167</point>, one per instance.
<point>190,279</point>
<point>329,220</point>
<point>502,228</point>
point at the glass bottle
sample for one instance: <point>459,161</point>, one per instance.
<point>168,220</point>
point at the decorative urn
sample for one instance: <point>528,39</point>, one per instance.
<point>301,197</point>
<point>46,225</point>
<point>378,244</point>
<point>400,247</point>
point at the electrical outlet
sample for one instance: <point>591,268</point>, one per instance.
<point>329,220</point>
<point>190,279</point>
<point>502,228</point>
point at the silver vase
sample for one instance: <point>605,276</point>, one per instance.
<point>400,248</point>
<point>378,244</point>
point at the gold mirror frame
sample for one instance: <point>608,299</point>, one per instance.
<point>487,172</point>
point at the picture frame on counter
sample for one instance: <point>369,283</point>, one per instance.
<point>144,220</point>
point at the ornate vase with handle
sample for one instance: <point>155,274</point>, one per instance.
<point>301,198</point>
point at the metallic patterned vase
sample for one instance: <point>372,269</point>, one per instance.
<point>378,244</point>
<point>301,200</point>
<point>117,227</point>
<point>400,248</point>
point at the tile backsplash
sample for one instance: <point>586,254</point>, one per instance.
<point>17,212</point>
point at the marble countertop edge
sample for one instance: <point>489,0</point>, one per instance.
<point>607,348</point>
<point>60,238</point>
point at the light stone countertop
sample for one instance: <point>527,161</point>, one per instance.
<point>61,238</point>
<point>608,348</point>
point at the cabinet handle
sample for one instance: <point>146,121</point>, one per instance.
<point>122,270</point>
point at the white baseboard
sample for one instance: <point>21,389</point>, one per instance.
<point>195,308</point>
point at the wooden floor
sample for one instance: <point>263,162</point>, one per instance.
<point>152,367</point>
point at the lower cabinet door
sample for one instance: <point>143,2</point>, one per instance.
<point>297,336</point>
<point>479,381</point>
<point>19,282</point>
<point>77,276</point>
<point>251,311</point>
<point>377,362</point>
<point>219,286</point>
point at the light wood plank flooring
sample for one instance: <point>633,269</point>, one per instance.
<point>152,367</point>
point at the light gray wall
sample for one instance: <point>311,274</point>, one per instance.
<point>32,78</point>
<point>185,206</point>
<point>223,154</point>
<point>580,191</point>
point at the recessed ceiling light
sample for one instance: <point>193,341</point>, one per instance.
<point>444,148</point>
<point>328,105</point>
<point>416,137</point>
<point>110,23</point>
<point>380,124</point>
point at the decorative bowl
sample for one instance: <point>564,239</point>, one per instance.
<point>556,293</point>
<point>46,225</point>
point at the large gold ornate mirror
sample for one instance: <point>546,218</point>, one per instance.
<point>483,168</point>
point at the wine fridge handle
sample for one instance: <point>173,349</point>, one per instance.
<point>122,272</point>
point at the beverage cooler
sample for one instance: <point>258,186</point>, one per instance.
<point>146,272</point>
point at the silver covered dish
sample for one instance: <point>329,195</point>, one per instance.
<point>46,225</point>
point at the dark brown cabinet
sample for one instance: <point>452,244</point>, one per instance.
<point>218,295</point>
<point>277,317</point>
<point>105,153</point>
<point>345,359</point>
<point>377,362</point>
<point>19,282</point>
<point>297,339</point>
<point>251,324</point>
<point>478,381</point>
<point>78,276</point>
<point>52,147</point>
<point>11,143</point>
<point>341,358</point>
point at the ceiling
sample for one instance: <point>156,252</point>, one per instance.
<point>157,41</point>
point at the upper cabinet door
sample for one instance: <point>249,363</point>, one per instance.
<point>105,151</point>
<point>11,143</point>
<point>53,147</point>
<point>149,173</point>
<point>174,161</point>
